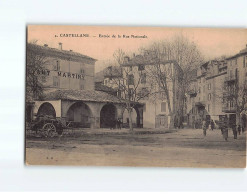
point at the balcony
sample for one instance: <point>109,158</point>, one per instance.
<point>227,109</point>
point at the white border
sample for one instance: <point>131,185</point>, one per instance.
<point>15,15</point>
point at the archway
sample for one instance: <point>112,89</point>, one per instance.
<point>46,109</point>
<point>108,116</point>
<point>79,115</point>
<point>135,115</point>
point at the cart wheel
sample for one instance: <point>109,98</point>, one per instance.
<point>49,130</point>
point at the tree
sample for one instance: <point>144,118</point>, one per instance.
<point>35,64</point>
<point>127,83</point>
<point>178,49</point>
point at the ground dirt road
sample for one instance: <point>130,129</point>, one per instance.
<point>175,148</point>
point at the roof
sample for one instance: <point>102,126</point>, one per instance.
<point>242,52</point>
<point>101,87</point>
<point>99,76</point>
<point>110,71</point>
<point>64,53</point>
<point>147,60</point>
<point>113,71</point>
<point>83,95</point>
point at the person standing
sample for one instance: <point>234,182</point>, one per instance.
<point>239,129</point>
<point>234,130</point>
<point>204,128</point>
<point>212,125</point>
<point>225,131</point>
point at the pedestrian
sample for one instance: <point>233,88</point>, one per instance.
<point>212,125</point>
<point>204,128</point>
<point>225,132</point>
<point>239,129</point>
<point>234,130</point>
<point>118,123</point>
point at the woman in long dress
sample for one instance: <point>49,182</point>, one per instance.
<point>225,132</point>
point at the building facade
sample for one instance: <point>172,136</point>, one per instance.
<point>205,98</point>
<point>219,89</point>
<point>135,72</point>
<point>69,90</point>
<point>235,87</point>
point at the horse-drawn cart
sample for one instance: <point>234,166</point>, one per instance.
<point>46,126</point>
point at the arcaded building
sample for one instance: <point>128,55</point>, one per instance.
<point>69,91</point>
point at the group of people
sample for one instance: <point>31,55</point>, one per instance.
<point>116,124</point>
<point>236,129</point>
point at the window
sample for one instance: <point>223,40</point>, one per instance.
<point>105,82</point>
<point>209,96</point>
<point>208,107</point>
<point>130,93</point>
<point>141,67</point>
<point>82,71</point>
<point>119,94</point>
<point>81,85</point>
<point>163,95</point>
<point>130,68</point>
<point>55,81</point>
<point>57,65</point>
<point>131,79</point>
<point>144,92</point>
<point>143,78</point>
<point>209,86</point>
<point>163,106</point>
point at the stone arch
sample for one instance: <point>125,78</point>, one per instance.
<point>79,115</point>
<point>108,116</point>
<point>136,117</point>
<point>46,109</point>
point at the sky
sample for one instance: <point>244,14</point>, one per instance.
<point>98,41</point>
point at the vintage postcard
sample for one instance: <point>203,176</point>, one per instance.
<point>136,96</point>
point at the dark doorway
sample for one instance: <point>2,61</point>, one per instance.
<point>79,115</point>
<point>46,109</point>
<point>108,116</point>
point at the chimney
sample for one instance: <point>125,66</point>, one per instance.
<point>71,50</point>
<point>60,46</point>
<point>45,45</point>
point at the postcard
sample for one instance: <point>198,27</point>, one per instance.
<point>136,96</point>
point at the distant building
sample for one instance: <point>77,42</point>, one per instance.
<point>235,82</point>
<point>205,99</point>
<point>155,110</point>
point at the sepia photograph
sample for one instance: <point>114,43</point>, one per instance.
<point>136,96</point>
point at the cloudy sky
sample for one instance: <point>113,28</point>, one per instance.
<point>213,42</point>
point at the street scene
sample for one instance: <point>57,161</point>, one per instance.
<point>177,148</point>
<point>136,96</point>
